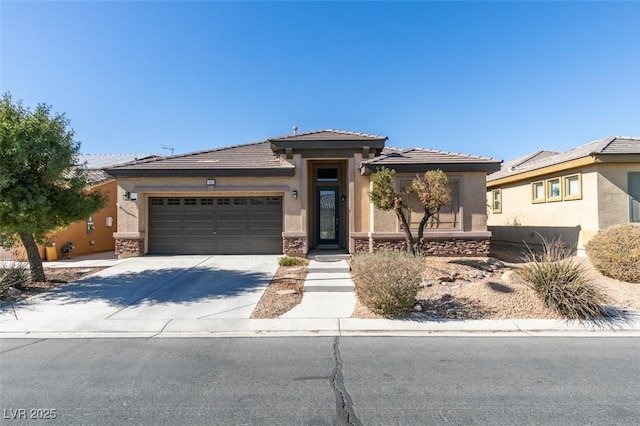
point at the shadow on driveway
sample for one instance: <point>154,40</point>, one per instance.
<point>175,285</point>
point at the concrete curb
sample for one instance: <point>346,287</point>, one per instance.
<point>169,328</point>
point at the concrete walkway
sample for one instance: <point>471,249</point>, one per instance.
<point>328,291</point>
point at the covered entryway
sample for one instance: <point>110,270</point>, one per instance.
<point>215,225</point>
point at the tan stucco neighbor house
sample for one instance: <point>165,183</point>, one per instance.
<point>290,195</point>
<point>567,195</point>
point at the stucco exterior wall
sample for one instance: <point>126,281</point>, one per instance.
<point>521,220</point>
<point>613,193</point>
<point>472,201</point>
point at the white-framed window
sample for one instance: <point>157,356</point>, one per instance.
<point>537,192</point>
<point>554,190</point>
<point>572,187</point>
<point>496,200</point>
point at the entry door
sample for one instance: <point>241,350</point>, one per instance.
<point>328,220</point>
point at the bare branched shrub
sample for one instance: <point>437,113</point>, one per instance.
<point>562,283</point>
<point>387,282</point>
<point>615,252</point>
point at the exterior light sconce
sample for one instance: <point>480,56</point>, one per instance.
<point>343,198</point>
<point>130,196</point>
<point>294,194</point>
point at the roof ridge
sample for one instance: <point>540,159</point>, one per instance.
<point>313,132</point>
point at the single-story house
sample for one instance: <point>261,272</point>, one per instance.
<point>289,195</point>
<point>567,195</point>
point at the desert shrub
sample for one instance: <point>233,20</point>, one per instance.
<point>13,274</point>
<point>562,283</point>
<point>387,282</point>
<point>615,252</point>
<point>291,261</point>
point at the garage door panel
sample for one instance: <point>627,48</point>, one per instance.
<point>233,225</point>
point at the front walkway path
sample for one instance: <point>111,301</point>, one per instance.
<point>328,292</point>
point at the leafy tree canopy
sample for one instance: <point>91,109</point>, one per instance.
<point>41,187</point>
<point>432,189</point>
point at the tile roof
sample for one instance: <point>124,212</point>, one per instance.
<point>93,164</point>
<point>424,155</point>
<point>328,135</point>
<point>101,161</point>
<point>423,158</point>
<point>253,156</point>
<point>614,145</point>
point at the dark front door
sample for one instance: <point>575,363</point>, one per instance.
<point>328,220</point>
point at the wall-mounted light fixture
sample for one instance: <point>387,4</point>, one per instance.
<point>130,196</point>
<point>294,194</point>
<point>211,182</point>
<point>343,198</point>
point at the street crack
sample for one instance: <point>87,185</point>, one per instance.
<point>344,406</point>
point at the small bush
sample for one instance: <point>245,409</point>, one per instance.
<point>13,274</point>
<point>615,252</point>
<point>291,261</point>
<point>387,282</point>
<point>562,283</point>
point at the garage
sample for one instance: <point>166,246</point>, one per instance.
<point>215,225</point>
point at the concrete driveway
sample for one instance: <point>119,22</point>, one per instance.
<point>156,288</point>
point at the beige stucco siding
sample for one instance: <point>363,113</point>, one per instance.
<point>474,206</point>
<point>472,201</point>
<point>519,209</point>
<point>613,181</point>
<point>361,203</point>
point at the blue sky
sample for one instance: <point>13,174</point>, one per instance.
<point>498,79</point>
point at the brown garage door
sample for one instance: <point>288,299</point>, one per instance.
<point>232,225</point>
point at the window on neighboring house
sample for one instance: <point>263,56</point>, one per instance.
<point>537,192</point>
<point>554,192</point>
<point>572,187</point>
<point>496,200</point>
<point>447,218</point>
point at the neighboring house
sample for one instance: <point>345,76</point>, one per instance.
<point>568,195</point>
<point>289,195</point>
<point>95,234</point>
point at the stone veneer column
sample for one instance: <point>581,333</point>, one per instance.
<point>294,246</point>
<point>129,245</point>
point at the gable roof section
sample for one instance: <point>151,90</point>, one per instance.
<point>254,159</point>
<point>422,160</point>
<point>325,141</point>
<point>600,149</point>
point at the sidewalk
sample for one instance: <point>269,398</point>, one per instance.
<point>232,327</point>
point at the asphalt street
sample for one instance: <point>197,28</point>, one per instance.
<point>321,381</point>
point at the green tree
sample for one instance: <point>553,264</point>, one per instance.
<point>41,187</point>
<point>384,196</point>
<point>434,192</point>
<point>432,189</point>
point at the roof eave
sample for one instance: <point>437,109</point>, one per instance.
<point>368,168</point>
<point>258,172</point>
